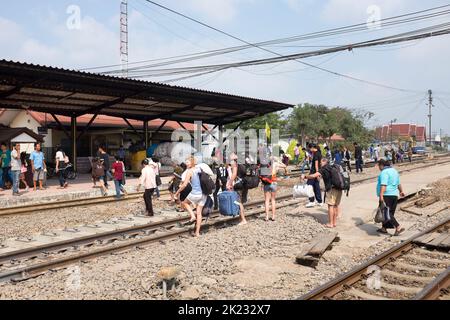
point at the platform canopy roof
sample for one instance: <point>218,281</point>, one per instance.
<point>75,93</point>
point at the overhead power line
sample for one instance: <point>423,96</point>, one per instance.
<point>387,22</point>
<point>206,69</point>
<point>273,52</point>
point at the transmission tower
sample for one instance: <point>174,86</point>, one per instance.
<point>124,37</point>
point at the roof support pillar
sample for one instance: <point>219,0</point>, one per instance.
<point>73,131</point>
<point>146,135</point>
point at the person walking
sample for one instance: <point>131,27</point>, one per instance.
<point>314,182</point>
<point>196,199</point>
<point>376,153</point>
<point>347,159</point>
<point>24,170</point>
<point>270,189</point>
<point>306,160</point>
<point>98,174</point>
<point>174,183</point>
<point>5,164</point>
<point>148,181</point>
<point>389,189</point>
<point>102,154</point>
<point>235,175</point>
<point>410,154</point>
<point>358,158</point>
<point>61,165</point>
<point>333,195</point>
<point>221,181</point>
<point>337,157</point>
<point>233,169</point>
<point>15,168</point>
<point>158,176</point>
<point>118,173</point>
<point>38,166</point>
<point>297,154</point>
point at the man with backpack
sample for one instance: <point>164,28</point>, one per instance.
<point>335,183</point>
<point>98,174</point>
<point>221,181</point>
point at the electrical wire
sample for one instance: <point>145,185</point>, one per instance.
<point>313,35</point>
<point>277,54</point>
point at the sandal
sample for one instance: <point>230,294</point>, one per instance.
<point>382,231</point>
<point>398,232</point>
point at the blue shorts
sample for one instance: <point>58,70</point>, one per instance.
<point>272,188</point>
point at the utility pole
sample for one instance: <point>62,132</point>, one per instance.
<point>392,131</point>
<point>124,37</point>
<point>430,105</point>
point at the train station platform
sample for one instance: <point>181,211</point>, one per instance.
<point>80,188</point>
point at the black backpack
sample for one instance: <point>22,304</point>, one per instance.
<point>340,179</point>
<point>206,182</point>
<point>249,174</point>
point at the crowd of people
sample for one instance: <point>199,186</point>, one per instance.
<point>186,188</point>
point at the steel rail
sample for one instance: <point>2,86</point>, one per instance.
<point>34,270</point>
<point>341,283</point>
<point>434,289</point>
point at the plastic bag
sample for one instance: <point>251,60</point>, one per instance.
<point>303,191</point>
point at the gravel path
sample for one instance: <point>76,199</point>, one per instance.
<point>45,221</point>
<point>256,261</point>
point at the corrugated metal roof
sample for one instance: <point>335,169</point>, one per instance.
<point>70,92</point>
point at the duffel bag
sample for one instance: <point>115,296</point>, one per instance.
<point>208,207</point>
<point>229,203</point>
<point>251,182</point>
<point>303,191</point>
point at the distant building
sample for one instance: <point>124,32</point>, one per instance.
<point>401,133</point>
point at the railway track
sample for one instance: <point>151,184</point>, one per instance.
<point>33,208</point>
<point>34,261</point>
<point>408,271</point>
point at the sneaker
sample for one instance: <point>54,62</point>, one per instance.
<point>310,205</point>
<point>320,204</point>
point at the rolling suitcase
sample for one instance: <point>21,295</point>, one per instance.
<point>229,203</point>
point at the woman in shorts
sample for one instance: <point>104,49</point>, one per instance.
<point>196,199</point>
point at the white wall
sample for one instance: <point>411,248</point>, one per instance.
<point>24,120</point>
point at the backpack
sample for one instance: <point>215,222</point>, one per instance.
<point>206,182</point>
<point>248,173</point>
<point>98,170</point>
<point>265,174</point>
<point>340,179</point>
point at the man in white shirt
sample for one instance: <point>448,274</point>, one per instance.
<point>15,168</point>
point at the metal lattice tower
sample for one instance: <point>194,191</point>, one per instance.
<point>124,37</point>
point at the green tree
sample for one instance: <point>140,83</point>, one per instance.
<point>275,121</point>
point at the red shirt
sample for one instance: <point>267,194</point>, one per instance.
<point>118,170</point>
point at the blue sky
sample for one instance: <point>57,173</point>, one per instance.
<point>36,31</point>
